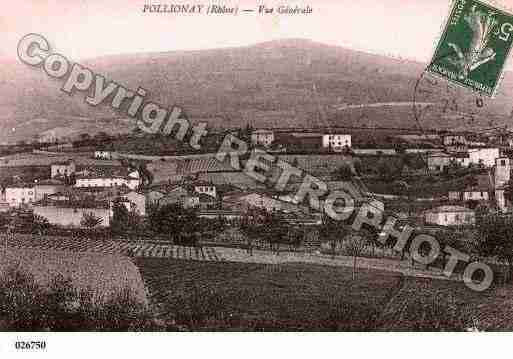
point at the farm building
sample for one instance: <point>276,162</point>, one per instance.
<point>438,161</point>
<point>135,201</point>
<point>18,195</point>
<point>103,155</point>
<point>262,137</point>
<point>64,168</point>
<point>450,216</point>
<point>454,139</point>
<point>206,188</point>
<point>178,195</point>
<point>47,187</point>
<point>336,142</point>
<point>103,178</point>
<point>484,156</point>
<point>244,200</point>
<point>66,213</point>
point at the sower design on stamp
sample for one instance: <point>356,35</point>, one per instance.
<point>474,46</point>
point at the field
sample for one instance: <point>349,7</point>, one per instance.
<point>32,159</point>
<point>491,310</point>
<point>255,297</point>
<point>104,274</point>
<point>240,296</point>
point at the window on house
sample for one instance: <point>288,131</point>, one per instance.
<point>503,162</point>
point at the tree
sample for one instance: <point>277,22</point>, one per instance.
<point>354,247</point>
<point>90,220</point>
<point>493,239</point>
<point>270,227</point>
<point>40,225</point>
<point>177,223</point>
<point>508,191</point>
<point>84,137</point>
<point>358,166</point>
<point>370,238</point>
<point>332,231</point>
<point>343,173</point>
<point>275,229</point>
<point>119,217</point>
<point>146,175</point>
<point>386,169</point>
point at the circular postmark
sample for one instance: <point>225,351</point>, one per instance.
<point>440,105</point>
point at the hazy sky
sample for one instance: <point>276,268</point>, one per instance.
<point>88,28</point>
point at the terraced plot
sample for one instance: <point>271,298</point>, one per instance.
<point>133,249</point>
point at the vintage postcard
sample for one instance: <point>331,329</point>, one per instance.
<point>245,166</point>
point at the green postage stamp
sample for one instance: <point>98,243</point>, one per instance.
<point>474,46</point>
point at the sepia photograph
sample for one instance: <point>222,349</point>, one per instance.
<point>243,166</point>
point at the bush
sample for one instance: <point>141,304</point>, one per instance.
<point>27,306</point>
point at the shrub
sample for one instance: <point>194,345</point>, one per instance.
<point>27,306</point>
<point>90,221</point>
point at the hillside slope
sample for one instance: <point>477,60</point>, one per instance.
<point>269,84</point>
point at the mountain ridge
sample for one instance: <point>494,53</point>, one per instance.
<point>279,83</point>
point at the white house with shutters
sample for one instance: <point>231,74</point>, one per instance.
<point>336,142</point>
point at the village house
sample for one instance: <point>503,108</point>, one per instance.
<point>100,178</point>
<point>64,213</point>
<point>458,148</point>
<point>4,206</point>
<point>18,195</point>
<point>336,142</point>
<point>44,188</point>
<point>65,168</point>
<point>103,155</point>
<point>135,201</point>
<point>59,196</point>
<point>481,191</point>
<point>454,140</point>
<point>483,156</point>
<point>58,147</point>
<point>438,161</point>
<point>206,188</point>
<point>47,137</point>
<point>450,216</point>
<point>207,202</point>
<point>375,151</point>
<point>244,200</point>
<point>181,196</point>
<point>217,213</point>
<point>153,196</point>
<point>262,137</point>
<point>501,178</point>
